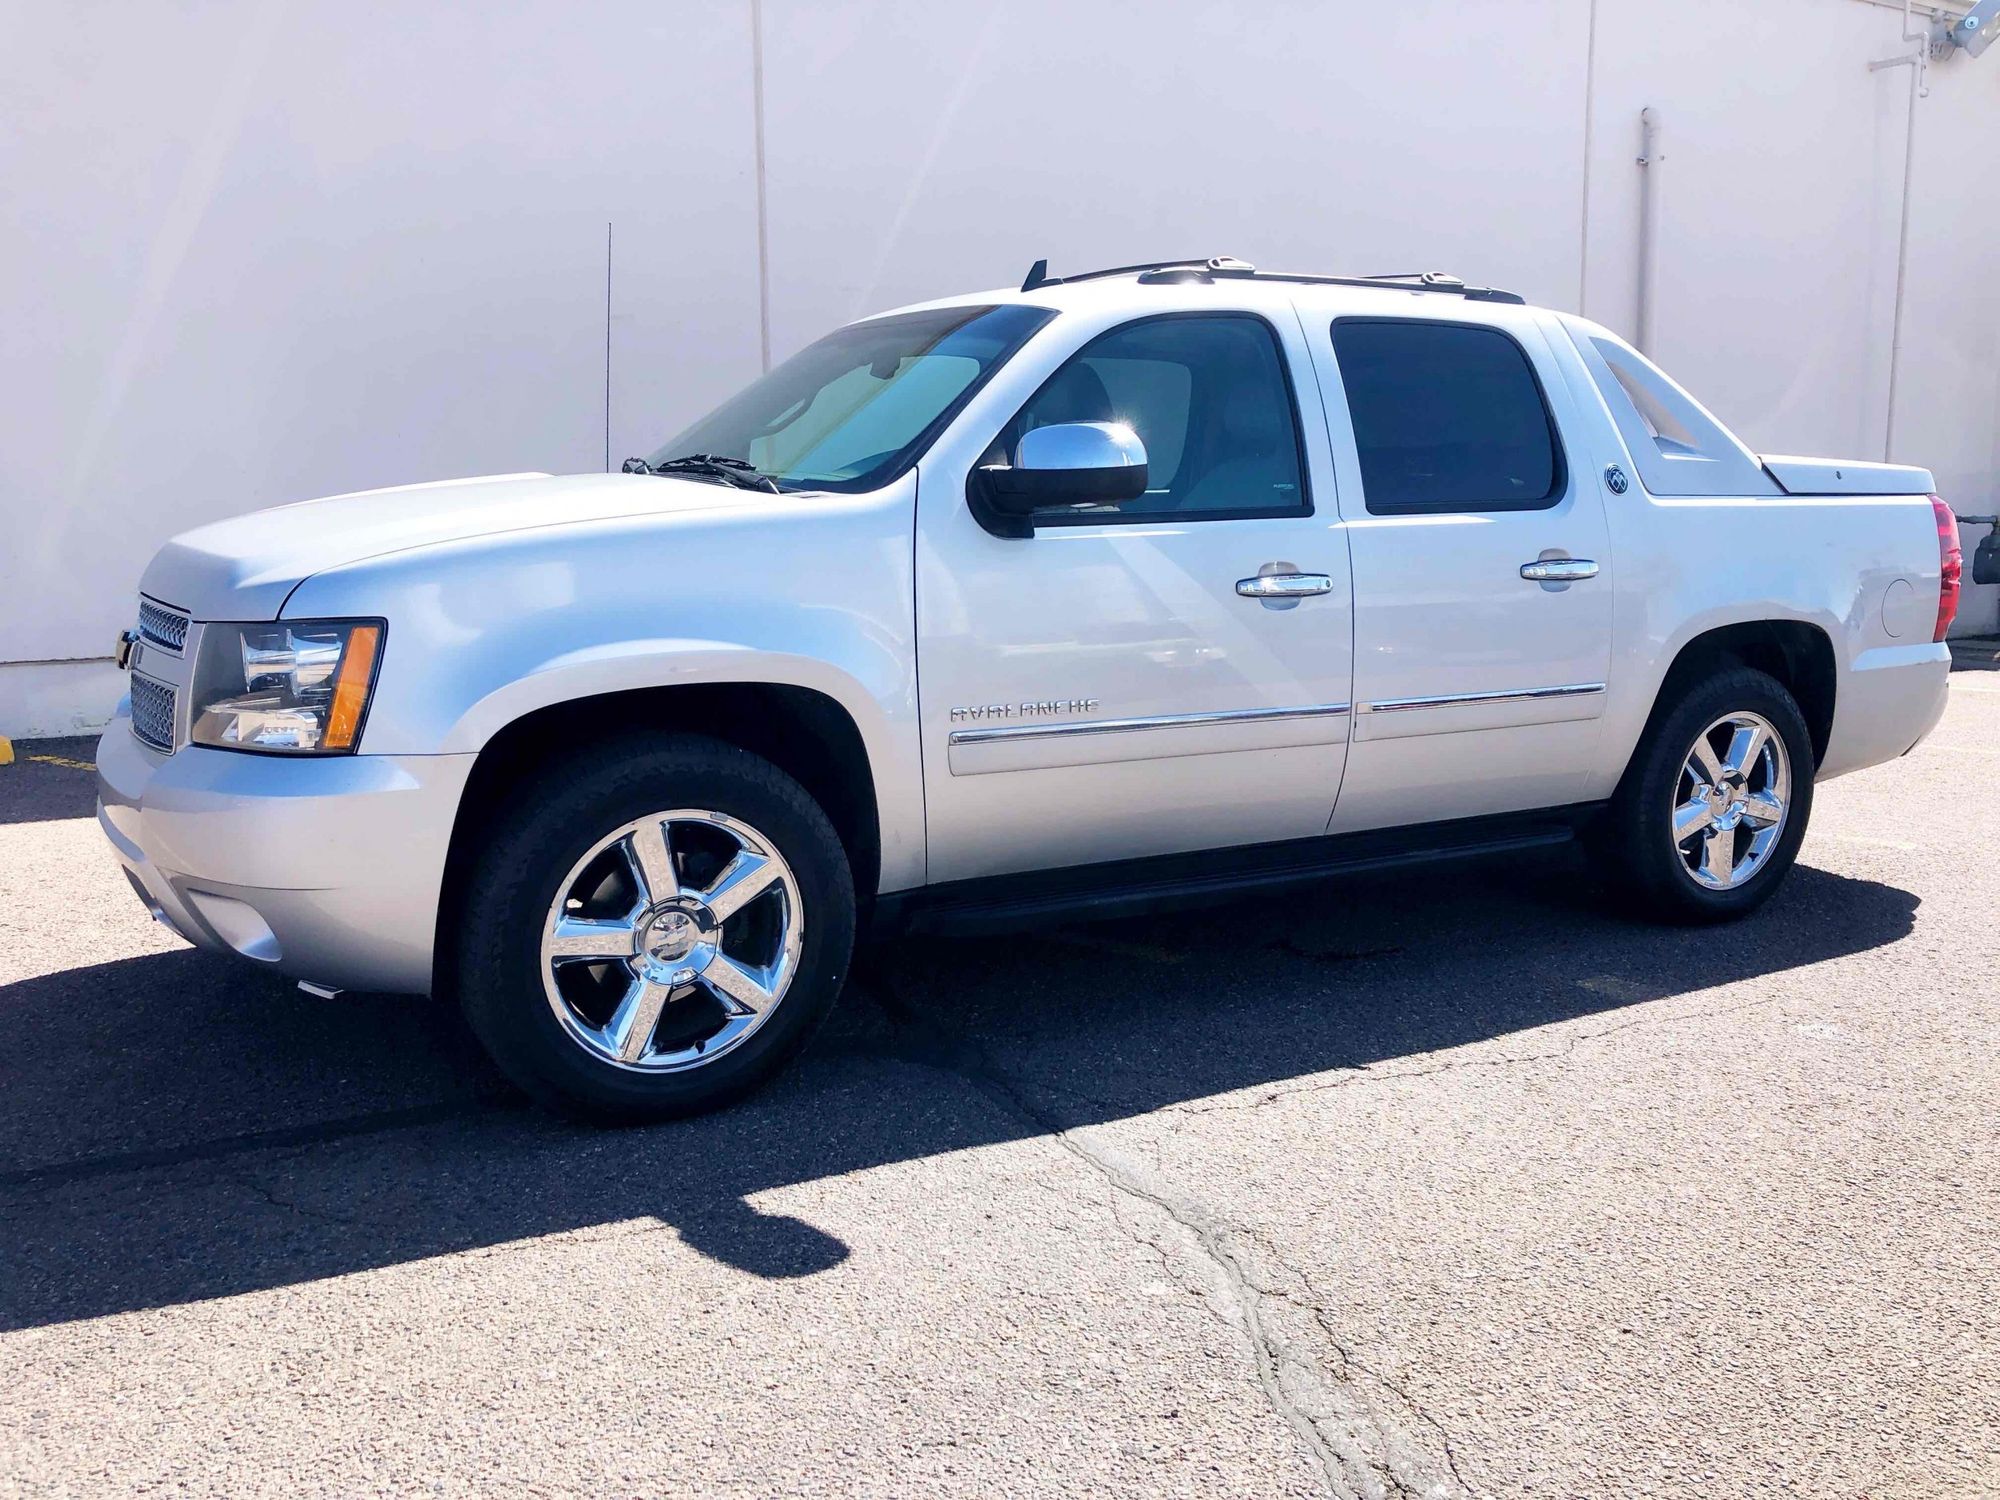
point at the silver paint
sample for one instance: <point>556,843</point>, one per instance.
<point>511,594</point>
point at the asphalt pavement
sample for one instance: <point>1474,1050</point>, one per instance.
<point>1451,1183</point>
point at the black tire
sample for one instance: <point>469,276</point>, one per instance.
<point>1634,845</point>
<point>534,844</point>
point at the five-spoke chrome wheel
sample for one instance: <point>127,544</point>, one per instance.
<point>1730,802</point>
<point>672,940</point>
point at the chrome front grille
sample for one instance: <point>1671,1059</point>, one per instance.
<point>162,626</point>
<point>153,712</point>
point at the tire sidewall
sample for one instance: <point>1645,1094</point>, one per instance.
<point>528,858</point>
<point>1659,877</point>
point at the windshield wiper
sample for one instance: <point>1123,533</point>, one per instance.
<point>733,471</point>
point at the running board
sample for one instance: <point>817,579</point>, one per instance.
<point>1133,887</point>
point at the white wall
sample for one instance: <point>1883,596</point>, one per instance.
<point>257,252</point>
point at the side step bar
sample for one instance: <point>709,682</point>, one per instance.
<point>1124,888</point>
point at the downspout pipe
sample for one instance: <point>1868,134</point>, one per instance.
<point>1650,157</point>
<point>1918,62</point>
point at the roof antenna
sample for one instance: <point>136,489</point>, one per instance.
<point>1038,275</point>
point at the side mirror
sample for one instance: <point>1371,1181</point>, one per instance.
<point>1067,463</point>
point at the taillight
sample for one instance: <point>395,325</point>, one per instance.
<point>1951,566</point>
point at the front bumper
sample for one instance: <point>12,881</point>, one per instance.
<point>328,868</point>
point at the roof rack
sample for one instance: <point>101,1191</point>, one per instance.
<point>1228,268</point>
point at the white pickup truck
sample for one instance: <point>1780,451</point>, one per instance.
<point>1141,586</point>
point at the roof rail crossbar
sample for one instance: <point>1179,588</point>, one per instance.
<point>1038,275</point>
<point>1429,278</point>
<point>1428,281</point>
<point>1209,268</point>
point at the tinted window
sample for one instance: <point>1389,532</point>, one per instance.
<point>854,410</point>
<point>1209,398</point>
<point>1447,417</point>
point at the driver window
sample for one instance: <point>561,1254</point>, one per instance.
<point>1207,395</point>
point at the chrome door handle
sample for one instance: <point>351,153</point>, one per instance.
<point>1284,585</point>
<point>1559,570</point>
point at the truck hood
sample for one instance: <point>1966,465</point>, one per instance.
<point>245,567</point>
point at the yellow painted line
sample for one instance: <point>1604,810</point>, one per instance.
<point>65,761</point>
<point>7,758</point>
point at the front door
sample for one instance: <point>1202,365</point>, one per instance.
<point>1482,569</point>
<point>1115,685</point>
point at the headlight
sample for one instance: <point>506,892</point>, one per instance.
<point>297,687</point>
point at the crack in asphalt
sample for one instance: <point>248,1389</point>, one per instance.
<point>1349,1361</point>
<point>266,1194</point>
<point>1336,1443</point>
<point>1355,1446</point>
<point>1314,1303</point>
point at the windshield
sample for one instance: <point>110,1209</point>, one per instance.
<point>854,410</point>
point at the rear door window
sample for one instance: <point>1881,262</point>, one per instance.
<point>1447,417</point>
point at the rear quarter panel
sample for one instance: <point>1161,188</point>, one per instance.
<point>1688,566</point>
<point>1863,569</point>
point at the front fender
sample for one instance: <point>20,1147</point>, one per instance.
<point>623,666</point>
<point>888,737</point>
<point>484,631</point>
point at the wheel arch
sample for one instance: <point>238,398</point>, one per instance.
<point>1798,653</point>
<point>806,733</point>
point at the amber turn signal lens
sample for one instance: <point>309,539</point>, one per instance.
<point>350,687</point>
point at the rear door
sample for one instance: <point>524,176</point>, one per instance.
<point>1482,567</point>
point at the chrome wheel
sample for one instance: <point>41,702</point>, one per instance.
<point>672,940</point>
<point>1730,801</point>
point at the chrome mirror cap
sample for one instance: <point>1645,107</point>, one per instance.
<point>1055,468</point>
<point>1074,446</point>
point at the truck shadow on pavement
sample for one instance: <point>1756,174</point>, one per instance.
<point>175,1128</point>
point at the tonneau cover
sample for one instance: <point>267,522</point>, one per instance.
<point>1834,476</point>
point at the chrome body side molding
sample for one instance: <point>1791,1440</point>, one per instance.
<point>1460,713</point>
<point>1015,733</point>
<point>1155,721</point>
<point>1461,700</point>
<point>1159,737</point>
